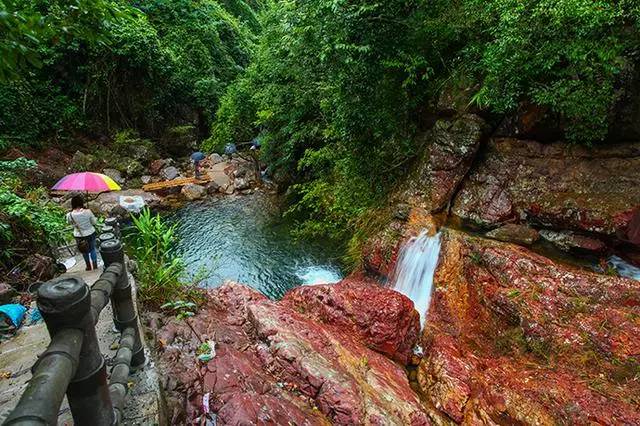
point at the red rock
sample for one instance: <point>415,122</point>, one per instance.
<point>554,185</point>
<point>450,148</point>
<point>275,365</point>
<point>531,121</point>
<point>156,166</point>
<point>513,338</point>
<point>633,228</point>
<point>569,241</point>
<point>380,252</point>
<point>513,233</point>
<point>382,319</point>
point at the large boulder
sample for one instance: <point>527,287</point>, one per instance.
<point>107,203</point>
<point>215,158</point>
<point>382,319</point>
<point>241,184</point>
<point>511,335</point>
<point>275,364</point>
<point>570,241</point>
<point>218,175</point>
<point>156,166</point>
<point>514,233</point>
<point>557,186</point>
<point>450,148</point>
<point>169,173</point>
<point>193,192</point>
<point>115,175</point>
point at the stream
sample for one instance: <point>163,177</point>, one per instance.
<point>244,239</point>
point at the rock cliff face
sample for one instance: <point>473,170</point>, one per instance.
<point>554,185</point>
<point>451,146</point>
<point>511,337</point>
<point>514,338</point>
<point>305,360</point>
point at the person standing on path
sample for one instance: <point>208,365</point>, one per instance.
<point>84,231</point>
<point>197,157</point>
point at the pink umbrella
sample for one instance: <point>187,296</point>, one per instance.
<point>86,181</point>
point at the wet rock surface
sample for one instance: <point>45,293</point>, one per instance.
<point>382,319</point>
<point>556,186</point>
<point>451,148</point>
<point>569,241</point>
<point>193,192</point>
<point>275,364</point>
<point>514,338</point>
<point>513,233</point>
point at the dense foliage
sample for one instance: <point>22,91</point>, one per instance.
<point>72,65</point>
<point>29,222</point>
<point>338,88</point>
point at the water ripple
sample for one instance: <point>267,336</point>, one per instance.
<point>241,238</point>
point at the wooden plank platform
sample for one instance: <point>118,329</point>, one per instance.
<point>157,186</point>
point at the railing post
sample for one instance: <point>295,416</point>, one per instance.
<point>114,224</point>
<point>107,229</point>
<point>124,311</point>
<point>65,304</point>
<point>106,236</point>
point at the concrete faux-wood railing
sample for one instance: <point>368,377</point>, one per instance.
<point>72,363</point>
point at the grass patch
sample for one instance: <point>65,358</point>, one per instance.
<point>161,272</point>
<point>514,340</point>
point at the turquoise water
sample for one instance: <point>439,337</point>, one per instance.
<point>243,238</point>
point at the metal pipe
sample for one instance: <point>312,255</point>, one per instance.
<point>52,372</point>
<point>65,303</point>
<point>124,311</point>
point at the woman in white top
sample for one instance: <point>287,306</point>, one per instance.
<point>83,222</point>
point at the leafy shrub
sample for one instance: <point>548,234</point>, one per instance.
<point>25,212</point>
<point>160,271</point>
<point>116,64</point>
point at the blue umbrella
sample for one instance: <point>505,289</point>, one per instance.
<point>230,148</point>
<point>198,156</point>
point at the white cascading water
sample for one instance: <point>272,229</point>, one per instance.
<point>415,268</point>
<point>625,269</point>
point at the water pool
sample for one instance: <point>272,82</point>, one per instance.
<point>243,238</point>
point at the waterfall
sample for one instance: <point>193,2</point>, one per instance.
<point>625,269</point>
<point>415,268</point>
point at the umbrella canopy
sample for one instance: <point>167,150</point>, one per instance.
<point>230,148</point>
<point>198,156</point>
<point>86,181</point>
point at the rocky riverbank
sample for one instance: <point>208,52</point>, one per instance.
<point>321,355</point>
<point>511,336</point>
